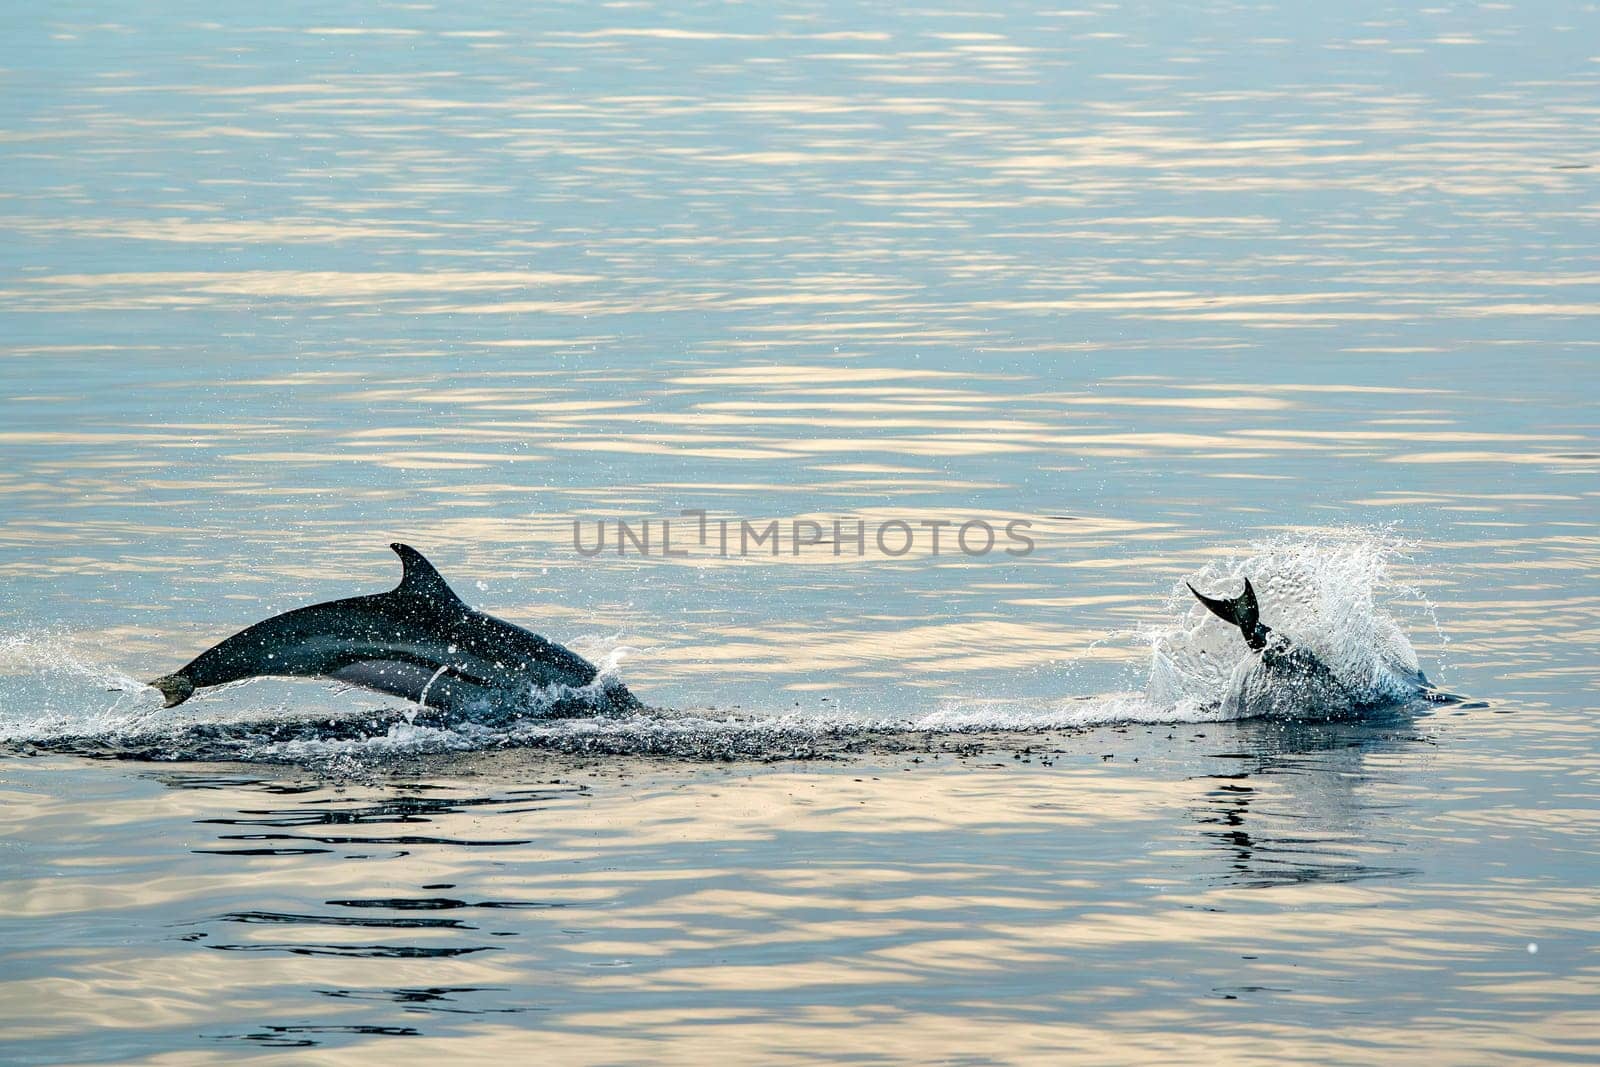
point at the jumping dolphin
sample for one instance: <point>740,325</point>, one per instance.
<point>1285,679</point>
<point>419,641</point>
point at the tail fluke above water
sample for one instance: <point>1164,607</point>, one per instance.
<point>1242,611</point>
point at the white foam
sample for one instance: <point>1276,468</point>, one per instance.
<point>1331,593</point>
<point>53,681</point>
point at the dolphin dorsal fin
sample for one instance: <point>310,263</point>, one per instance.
<point>420,579</point>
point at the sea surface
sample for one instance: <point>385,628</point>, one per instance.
<point>1303,294</point>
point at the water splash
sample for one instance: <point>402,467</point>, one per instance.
<point>1331,591</point>
<point>54,681</point>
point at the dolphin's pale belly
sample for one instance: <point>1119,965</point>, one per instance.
<point>448,677</point>
<point>416,682</point>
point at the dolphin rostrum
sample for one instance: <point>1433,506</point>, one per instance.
<point>1285,679</point>
<point>419,641</point>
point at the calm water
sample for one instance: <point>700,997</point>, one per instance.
<point>1203,292</point>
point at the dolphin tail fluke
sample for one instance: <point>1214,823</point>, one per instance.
<point>1242,611</point>
<point>175,689</point>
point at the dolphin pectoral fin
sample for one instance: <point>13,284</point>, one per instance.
<point>175,689</point>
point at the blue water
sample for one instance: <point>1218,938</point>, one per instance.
<point>1191,293</point>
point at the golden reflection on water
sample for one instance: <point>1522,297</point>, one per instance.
<point>281,291</point>
<point>980,904</point>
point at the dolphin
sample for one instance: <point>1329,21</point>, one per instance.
<point>419,641</point>
<point>1284,679</point>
